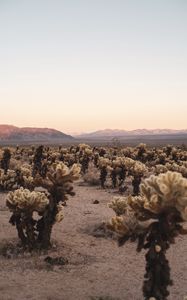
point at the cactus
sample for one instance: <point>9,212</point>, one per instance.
<point>58,184</point>
<point>6,160</point>
<point>154,219</point>
<point>103,164</point>
<point>37,161</point>
<point>138,171</point>
<point>23,203</point>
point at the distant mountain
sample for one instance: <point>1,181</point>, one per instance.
<point>116,133</point>
<point>9,133</point>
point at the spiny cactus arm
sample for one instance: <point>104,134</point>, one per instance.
<point>22,203</point>
<point>129,230</point>
<point>165,192</point>
<point>43,182</point>
<point>137,204</point>
<point>63,174</point>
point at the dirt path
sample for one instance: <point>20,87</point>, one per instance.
<point>97,266</point>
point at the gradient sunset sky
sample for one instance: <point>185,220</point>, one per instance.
<point>84,65</point>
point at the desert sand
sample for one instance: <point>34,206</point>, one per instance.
<point>97,268</point>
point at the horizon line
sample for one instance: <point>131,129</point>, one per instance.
<point>97,130</point>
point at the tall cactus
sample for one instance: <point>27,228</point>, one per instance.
<point>154,219</point>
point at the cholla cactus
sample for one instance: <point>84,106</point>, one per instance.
<point>59,184</point>
<point>23,203</point>
<point>60,213</point>
<point>8,181</point>
<point>83,146</point>
<point>125,223</point>
<point>113,176</point>
<point>174,154</point>
<point>118,225</point>
<point>84,157</point>
<point>120,167</point>
<point>26,202</point>
<point>141,149</point>
<point>165,192</point>
<point>88,151</point>
<point>61,173</point>
<point>56,187</point>
<point>84,162</point>
<point>37,161</point>
<point>139,168</point>
<point>162,158</point>
<point>138,171</point>
<point>165,197</point>
<point>182,168</point>
<point>24,176</point>
<point>103,165</point>
<point>5,161</point>
<point>160,169</point>
<point>119,205</point>
<point>104,162</point>
<point>14,179</point>
<point>156,218</point>
<point>26,170</point>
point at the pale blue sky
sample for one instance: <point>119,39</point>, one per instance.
<point>83,65</point>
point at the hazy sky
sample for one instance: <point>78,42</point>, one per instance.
<point>83,65</point>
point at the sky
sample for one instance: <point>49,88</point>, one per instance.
<point>84,65</point>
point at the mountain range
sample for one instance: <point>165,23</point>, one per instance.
<point>10,133</point>
<point>13,134</point>
<point>115,133</point>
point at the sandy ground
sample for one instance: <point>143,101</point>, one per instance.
<point>97,270</point>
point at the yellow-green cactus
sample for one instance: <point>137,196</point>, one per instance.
<point>165,192</point>
<point>24,201</point>
<point>119,205</point>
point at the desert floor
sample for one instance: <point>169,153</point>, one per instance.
<point>97,268</point>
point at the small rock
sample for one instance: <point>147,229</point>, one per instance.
<point>56,260</point>
<point>96,202</point>
<point>87,212</point>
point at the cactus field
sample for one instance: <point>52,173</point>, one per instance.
<point>93,223</point>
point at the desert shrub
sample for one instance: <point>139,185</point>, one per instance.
<point>92,175</point>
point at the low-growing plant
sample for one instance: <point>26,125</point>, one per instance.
<point>92,175</point>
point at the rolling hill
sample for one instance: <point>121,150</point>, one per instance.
<point>10,133</point>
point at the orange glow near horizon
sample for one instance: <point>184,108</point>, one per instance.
<point>91,66</point>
